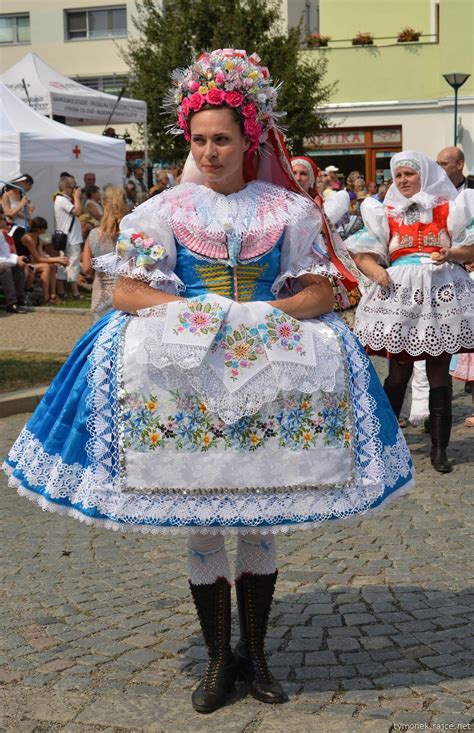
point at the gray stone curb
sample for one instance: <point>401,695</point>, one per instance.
<point>23,400</point>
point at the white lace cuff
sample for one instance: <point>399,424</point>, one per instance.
<point>158,275</point>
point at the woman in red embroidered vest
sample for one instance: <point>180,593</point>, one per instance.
<point>420,304</point>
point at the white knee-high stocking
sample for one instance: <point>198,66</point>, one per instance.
<point>207,558</point>
<point>256,554</point>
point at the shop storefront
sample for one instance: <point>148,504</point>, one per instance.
<point>367,150</point>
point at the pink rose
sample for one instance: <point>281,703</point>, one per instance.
<point>220,77</point>
<point>249,110</point>
<point>181,121</point>
<point>253,129</point>
<point>194,86</point>
<point>215,96</point>
<point>196,101</point>
<point>185,106</point>
<point>233,99</point>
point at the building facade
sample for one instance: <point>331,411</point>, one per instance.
<point>81,39</point>
<point>390,94</point>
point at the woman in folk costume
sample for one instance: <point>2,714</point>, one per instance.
<point>336,208</point>
<point>421,302</point>
<point>223,396</point>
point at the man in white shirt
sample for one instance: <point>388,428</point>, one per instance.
<point>67,209</point>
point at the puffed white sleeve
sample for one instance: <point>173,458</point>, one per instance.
<point>145,248</point>
<point>374,236</point>
<point>461,219</point>
<point>303,252</point>
<point>336,206</point>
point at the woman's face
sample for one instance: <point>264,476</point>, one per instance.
<point>96,196</point>
<point>301,174</point>
<point>407,180</point>
<point>218,147</point>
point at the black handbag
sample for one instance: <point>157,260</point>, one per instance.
<point>59,238</point>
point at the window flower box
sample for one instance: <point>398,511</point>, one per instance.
<point>408,35</point>
<point>363,39</point>
<point>316,40</point>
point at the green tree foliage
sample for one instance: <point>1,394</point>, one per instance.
<point>172,32</point>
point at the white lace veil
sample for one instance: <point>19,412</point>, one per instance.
<point>436,187</point>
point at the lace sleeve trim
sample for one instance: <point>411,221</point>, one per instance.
<point>160,276</point>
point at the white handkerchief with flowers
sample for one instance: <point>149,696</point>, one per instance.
<point>235,356</point>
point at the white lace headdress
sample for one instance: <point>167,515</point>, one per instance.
<point>436,187</point>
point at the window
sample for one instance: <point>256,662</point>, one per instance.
<point>15,28</point>
<point>110,84</point>
<point>110,22</point>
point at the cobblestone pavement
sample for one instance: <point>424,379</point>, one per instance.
<point>369,629</point>
<point>44,331</point>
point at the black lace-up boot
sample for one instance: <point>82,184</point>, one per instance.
<point>440,427</point>
<point>212,603</point>
<point>254,598</point>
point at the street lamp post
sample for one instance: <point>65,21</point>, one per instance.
<point>456,80</point>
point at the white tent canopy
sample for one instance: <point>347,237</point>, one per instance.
<point>51,93</point>
<point>31,143</point>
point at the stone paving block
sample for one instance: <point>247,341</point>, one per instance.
<point>343,644</point>
<point>55,665</point>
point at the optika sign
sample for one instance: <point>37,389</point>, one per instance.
<point>341,137</point>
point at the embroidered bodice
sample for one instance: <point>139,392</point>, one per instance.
<point>409,235</point>
<point>245,281</point>
<point>248,246</point>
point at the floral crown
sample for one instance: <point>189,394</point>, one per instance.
<point>226,76</point>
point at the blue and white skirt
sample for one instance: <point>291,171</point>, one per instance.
<point>125,443</point>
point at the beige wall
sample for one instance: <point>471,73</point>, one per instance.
<point>47,28</point>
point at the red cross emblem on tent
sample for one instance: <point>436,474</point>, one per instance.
<point>76,151</point>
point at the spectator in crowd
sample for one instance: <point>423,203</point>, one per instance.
<point>372,189</point>
<point>381,192</point>
<point>360,189</point>
<point>452,161</point>
<point>172,175</point>
<point>16,205</point>
<point>131,195</point>
<point>12,272</point>
<point>41,263</point>
<point>89,180</point>
<point>331,172</point>
<point>162,183</point>
<point>67,210</point>
<point>101,241</point>
<point>321,184</point>
<point>178,173</point>
<point>93,205</point>
<point>138,178</point>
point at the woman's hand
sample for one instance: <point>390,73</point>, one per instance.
<point>315,299</point>
<point>64,261</point>
<point>440,256</point>
<point>380,276</point>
